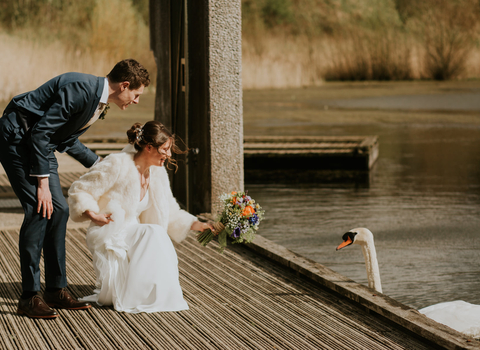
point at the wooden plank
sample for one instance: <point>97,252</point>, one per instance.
<point>305,303</point>
<point>265,324</point>
<point>237,300</point>
<point>66,180</point>
<point>348,153</point>
<point>212,308</point>
<point>311,320</point>
<point>266,139</point>
<point>273,153</point>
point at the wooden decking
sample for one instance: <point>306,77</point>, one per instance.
<point>259,296</point>
<point>238,300</point>
<point>66,180</point>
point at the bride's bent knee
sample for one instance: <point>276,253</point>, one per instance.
<point>153,229</point>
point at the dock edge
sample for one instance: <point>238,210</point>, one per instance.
<point>403,315</point>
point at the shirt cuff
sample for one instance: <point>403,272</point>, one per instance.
<point>47,175</point>
<point>98,159</point>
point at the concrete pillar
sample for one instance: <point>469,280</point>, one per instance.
<point>214,101</point>
<point>207,112</point>
<point>226,104</point>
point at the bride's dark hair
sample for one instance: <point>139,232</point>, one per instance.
<point>153,133</point>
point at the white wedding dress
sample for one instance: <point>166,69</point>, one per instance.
<point>136,266</point>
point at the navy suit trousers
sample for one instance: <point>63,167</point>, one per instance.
<point>37,232</point>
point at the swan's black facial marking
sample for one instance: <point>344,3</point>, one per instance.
<point>348,238</point>
<point>349,234</point>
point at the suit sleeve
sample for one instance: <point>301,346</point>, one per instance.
<point>84,193</point>
<point>82,153</point>
<point>70,99</point>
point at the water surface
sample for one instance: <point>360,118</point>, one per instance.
<point>422,204</point>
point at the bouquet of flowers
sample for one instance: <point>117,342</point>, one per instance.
<point>239,220</point>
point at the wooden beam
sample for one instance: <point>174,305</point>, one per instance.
<point>160,44</point>
<point>199,107</point>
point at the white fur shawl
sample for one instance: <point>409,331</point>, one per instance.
<point>113,186</point>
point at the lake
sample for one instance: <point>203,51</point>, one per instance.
<point>422,201</point>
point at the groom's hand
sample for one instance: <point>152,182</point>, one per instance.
<point>44,198</point>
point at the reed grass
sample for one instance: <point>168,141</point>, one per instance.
<point>280,62</point>
<point>27,64</point>
<point>286,43</point>
<point>88,37</point>
<point>290,44</point>
<point>450,31</point>
<point>295,61</point>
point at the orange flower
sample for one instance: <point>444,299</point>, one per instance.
<point>248,211</point>
<point>233,193</point>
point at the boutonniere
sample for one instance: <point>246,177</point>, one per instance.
<point>104,113</point>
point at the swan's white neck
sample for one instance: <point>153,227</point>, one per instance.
<point>371,263</point>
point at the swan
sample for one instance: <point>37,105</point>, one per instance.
<point>364,237</point>
<point>459,315</point>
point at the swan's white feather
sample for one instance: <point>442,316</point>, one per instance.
<point>459,315</point>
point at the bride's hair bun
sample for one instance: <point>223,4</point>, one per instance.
<point>134,133</point>
<point>152,133</point>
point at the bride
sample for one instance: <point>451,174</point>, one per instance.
<point>133,215</point>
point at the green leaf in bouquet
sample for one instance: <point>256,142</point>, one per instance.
<point>205,237</point>
<point>222,240</point>
<point>229,230</point>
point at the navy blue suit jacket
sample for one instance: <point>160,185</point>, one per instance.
<point>55,113</point>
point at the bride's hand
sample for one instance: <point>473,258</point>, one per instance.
<point>98,219</point>
<point>201,226</point>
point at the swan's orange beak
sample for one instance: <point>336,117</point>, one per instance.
<point>345,243</point>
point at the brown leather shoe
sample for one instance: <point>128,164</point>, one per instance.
<point>35,307</point>
<point>62,299</point>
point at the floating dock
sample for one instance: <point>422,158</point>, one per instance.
<point>314,159</point>
<point>273,158</point>
<point>259,296</point>
<point>310,152</point>
<point>355,153</point>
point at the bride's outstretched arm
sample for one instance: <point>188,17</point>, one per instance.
<point>201,226</point>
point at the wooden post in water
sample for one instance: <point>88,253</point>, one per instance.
<point>199,95</point>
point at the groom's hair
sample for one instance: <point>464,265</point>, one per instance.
<point>131,71</point>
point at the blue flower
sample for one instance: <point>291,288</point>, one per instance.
<point>236,232</point>
<point>253,219</point>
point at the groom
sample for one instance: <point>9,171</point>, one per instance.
<point>33,126</point>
